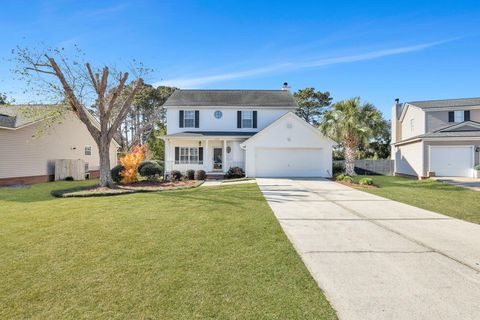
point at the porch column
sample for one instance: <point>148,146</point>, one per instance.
<point>224,155</point>
<point>206,158</point>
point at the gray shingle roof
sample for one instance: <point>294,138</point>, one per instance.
<point>237,98</point>
<point>200,134</point>
<point>466,102</point>
<point>14,116</point>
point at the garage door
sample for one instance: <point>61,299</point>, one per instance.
<point>452,161</point>
<point>288,162</point>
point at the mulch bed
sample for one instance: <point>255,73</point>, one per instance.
<point>136,187</point>
<point>358,185</point>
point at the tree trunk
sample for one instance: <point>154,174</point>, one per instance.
<point>104,153</point>
<point>349,161</point>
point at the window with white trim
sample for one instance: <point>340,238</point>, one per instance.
<point>86,167</point>
<point>189,155</point>
<point>412,125</point>
<point>189,119</point>
<point>459,116</point>
<point>247,119</point>
<point>88,150</point>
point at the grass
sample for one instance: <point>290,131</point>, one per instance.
<point>187,254</point>
<point>432,195</point>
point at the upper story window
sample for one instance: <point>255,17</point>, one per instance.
<point>247,119</point>
<point>189,119</point>
<point>412,125</point>
<point>88,150</point>
<point>458,116</point>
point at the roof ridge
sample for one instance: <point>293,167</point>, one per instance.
<point>436,100</point>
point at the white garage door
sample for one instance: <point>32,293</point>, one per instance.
<point>451,161</point>
<point>288,162</point>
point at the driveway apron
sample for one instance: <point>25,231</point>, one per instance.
<point>376,258</point>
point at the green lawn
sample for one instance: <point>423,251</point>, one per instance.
<point>436,196</point>
<point>202,253</point>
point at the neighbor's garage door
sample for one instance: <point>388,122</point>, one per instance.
<point>288,162</point>
<point>451,161</point>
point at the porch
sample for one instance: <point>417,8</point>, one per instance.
<point>214,155</point>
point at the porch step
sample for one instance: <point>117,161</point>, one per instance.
<point>215,176</point>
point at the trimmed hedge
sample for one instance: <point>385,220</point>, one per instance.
<point>150,169</point>
<point>175,175</point>
<point>235,173</point>
<point>190,174</point>
<point>200,175</point>
<point>366,181</point>
<point>115,172</point>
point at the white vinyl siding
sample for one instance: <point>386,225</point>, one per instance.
<point>23,155</point>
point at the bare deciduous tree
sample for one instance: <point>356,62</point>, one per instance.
<point>89,93</point>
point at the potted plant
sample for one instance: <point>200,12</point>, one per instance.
<point>476,171</point>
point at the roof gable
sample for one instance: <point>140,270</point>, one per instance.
<point>288,121</point>
<point>232,98</point>
<point>462,126</point>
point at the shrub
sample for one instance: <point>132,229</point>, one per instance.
<point>340,177</point>
<point>347,179</point>
<point>115,172</point>
<point>366,181</point>
<point>338,167</point>
<point>144,163</point>
<point>477,167</point>
<point>200,175</point>
<point>130,163</point>
<point>149,169</point>
<point>235,172</point>
<point>175,175</point>
<point>190,174</point>
<point>69,179</point>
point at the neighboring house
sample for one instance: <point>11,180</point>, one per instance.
<point>437,137</point>
<point>27,155</point>
<point>256,130</point>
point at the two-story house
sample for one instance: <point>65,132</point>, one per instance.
<point>437,137</point>
<point>256,130</point>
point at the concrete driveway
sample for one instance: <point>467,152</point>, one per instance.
<point>469,183</point>
<point>379,259</point>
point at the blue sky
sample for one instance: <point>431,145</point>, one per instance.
<point>378,50</point>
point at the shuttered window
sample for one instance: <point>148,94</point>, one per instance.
<point>189,155</point>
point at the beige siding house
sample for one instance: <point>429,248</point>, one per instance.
<point>436,137</point>
<point>28,150</point>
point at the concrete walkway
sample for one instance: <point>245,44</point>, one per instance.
<point>379,259</point>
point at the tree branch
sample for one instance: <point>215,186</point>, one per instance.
<point>124,109</point>
<point>73,101</point>
<point>116,92</point>
<point>40,70</point>
<point>92,77</point>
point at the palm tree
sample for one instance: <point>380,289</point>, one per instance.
<point>351,124</point>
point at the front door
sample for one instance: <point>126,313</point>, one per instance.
<point>217,158</point>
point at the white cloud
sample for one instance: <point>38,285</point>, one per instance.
<point>193,82</point>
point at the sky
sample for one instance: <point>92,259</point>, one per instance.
<point>378,50</point>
